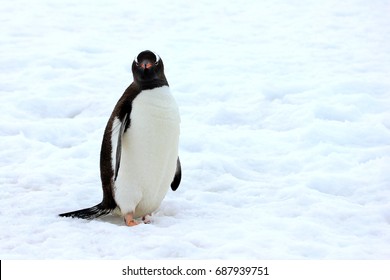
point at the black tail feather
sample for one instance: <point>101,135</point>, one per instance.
<point>88,213</point>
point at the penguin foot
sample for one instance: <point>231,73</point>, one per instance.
<point>146,219</point>
<point>129,220</point>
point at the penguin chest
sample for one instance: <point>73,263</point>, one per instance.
<point>149,152</point>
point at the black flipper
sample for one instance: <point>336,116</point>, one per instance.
<point>176,180</point>
<point>88,213</point>
<point>109,170</point>
<point>122,129</point>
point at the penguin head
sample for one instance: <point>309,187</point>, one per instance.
<point>148,70</point>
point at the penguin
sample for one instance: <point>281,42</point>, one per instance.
<point>139,158</point>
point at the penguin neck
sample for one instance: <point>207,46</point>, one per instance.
<point>144,85</point>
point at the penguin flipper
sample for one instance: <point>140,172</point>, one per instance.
<point>176,180</point>
<point>124,125</point>
<point>88,213</point>
<point>108,204</point>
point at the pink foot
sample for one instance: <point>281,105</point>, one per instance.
<point>129,220</point>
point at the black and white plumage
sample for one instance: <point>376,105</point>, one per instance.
<point>139,154</point>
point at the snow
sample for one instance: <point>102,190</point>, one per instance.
<point>285,133</point>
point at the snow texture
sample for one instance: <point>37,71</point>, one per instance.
<point>285,133</point>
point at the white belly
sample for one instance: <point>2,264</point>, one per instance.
<point>149,152</point>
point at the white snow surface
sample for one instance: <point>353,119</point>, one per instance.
<point>285,133</point>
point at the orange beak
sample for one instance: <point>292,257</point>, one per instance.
<point>146,64</point>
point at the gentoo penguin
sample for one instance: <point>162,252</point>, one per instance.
<point>139,153</point>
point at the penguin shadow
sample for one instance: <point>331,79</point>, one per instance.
<point>112,219</point>
<point>159,221</point>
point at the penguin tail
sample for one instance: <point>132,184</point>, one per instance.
<point>89,213</point>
